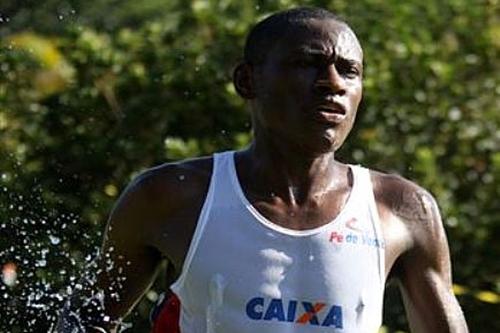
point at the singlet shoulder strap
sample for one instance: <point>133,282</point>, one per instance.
<point>201,223</point>
<point>363,177</point>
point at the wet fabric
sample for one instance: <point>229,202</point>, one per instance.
<point>245,274</point>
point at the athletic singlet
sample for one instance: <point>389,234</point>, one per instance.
<point>245,274</point>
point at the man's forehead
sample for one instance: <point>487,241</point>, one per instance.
<point>324,36</point>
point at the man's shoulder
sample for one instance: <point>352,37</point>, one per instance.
<point>169,186</point>
<point>410,217</point>
<point>403,198</point>
<point>190,170</point>
<point>185,177</point>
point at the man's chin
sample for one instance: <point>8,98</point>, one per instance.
<point>327,143</point>
<point>331,140</point>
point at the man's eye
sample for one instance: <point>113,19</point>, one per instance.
<point>351,72</point>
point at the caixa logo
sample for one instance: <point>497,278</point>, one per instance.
<point>292,311</point>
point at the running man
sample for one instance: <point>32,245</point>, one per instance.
<point>279,237</point>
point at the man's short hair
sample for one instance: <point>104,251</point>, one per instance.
<point>264,35</point>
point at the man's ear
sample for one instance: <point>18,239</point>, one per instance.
<point>243,80</point>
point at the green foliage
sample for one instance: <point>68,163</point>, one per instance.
<point>90,99</point>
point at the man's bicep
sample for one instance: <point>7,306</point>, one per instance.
<point>126,268</point>
<point>426,274</point>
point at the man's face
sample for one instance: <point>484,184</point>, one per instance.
<point>308,89</point>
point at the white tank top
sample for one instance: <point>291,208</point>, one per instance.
<point>245,274</point>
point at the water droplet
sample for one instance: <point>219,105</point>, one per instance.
<point>152,296</point>
<point>54,240</point>
<point>60,17</point>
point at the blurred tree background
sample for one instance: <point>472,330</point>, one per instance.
<point>93,92</point>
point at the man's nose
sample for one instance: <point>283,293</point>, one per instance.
<point>330,81</point>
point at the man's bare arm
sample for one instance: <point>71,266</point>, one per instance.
<point>125,267</point>
<point>424,270</point>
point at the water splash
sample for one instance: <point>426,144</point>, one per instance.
<point>38,268</point>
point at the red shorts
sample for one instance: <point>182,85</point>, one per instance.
<point>167,319</point>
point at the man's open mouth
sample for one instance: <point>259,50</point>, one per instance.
<point>333,113</point>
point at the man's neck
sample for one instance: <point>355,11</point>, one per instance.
<point>289,173</point>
